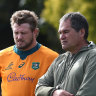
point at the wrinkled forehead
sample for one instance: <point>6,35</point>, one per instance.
<point>65,22</point>
<point>21,27</point>
<point>64,25</point>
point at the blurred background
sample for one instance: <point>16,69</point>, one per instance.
<point>49,12</point>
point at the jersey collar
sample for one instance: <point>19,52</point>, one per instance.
<point>24,54</point>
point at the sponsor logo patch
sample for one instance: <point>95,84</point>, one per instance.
<point>21,65</point>
<point>9,66</point>
<point>13,77</point>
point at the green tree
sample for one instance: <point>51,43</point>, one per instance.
<point>87,8</point>
<point>54,9</point>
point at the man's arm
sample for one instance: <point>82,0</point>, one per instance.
<point>46,83</point>
<point>88,85</point>
<point>61,93</point>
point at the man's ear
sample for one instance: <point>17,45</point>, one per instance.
<point>82,32</point>
<point>36,31</point>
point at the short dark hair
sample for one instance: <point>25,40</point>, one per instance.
<point>78,21</point>
<point>24,16</point>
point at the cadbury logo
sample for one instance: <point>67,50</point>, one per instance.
<point>12,77</point>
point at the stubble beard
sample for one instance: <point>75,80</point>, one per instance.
<point>26,46</point>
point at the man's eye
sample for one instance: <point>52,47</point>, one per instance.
<point>23,33</point>
<point>16,33</point>
<point>66,31</point>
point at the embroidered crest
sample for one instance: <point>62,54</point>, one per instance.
<point>35,65</point>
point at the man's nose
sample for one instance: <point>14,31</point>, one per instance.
<point>19,36</point>
<point>62,36</point>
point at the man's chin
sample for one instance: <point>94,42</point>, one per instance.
<point>20,47</point>
<point>63,47</point>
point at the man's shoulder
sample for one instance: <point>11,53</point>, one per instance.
<point>47,50</point>
<point>62,57</point>
<point>6,50</point>
<point>92,51</point>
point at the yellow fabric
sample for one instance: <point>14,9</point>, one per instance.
<point>19,77</point>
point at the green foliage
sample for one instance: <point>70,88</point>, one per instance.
<point>87,8</point>
<point>54,9</point>
<point>51,11</point>
<point>48,37</point>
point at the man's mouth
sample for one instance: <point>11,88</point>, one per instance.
<point>63,42</point>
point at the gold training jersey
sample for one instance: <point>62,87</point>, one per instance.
<point>20,70</point>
